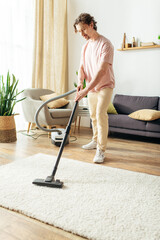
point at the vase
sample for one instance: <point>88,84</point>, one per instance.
<point>7,129</point>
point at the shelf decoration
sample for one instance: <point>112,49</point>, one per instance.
<point>134,45</point>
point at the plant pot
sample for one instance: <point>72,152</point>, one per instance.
<point>7,129</point>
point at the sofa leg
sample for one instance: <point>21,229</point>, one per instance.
<point>49,134</point>
<point>29,125</point>
<point>79,123</point>
<point>75,124</point>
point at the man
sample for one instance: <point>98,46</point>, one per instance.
<point>96,67</point>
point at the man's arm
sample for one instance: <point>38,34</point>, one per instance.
<point>81,77</point>
<point>101,72</point>
<point>81,74</point>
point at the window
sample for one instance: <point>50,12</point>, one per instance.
<point>16,44</point>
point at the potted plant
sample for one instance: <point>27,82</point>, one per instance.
<point>159,39</point>
<point>85,100</point>
<point>8,100</point>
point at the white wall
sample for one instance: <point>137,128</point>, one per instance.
<point>136,72</point>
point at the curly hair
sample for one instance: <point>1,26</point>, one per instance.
<point>85,18</point>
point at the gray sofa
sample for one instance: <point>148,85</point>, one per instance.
<point>121,123</point>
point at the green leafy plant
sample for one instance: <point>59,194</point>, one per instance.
<point>159,37</point>
<point>8,95</point>
<point>84,83</point>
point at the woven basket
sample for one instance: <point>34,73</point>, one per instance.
<point>7,129</point>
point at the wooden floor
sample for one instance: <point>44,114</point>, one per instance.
<point>136,154</point>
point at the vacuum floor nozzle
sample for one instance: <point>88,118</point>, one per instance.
<point>54,183</point>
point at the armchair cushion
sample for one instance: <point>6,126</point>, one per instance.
<point>60,113</point>
<point>56,103</point>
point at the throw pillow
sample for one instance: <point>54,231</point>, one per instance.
<point>56,103</point>
<point>111,109</point>
<point>145,114</point>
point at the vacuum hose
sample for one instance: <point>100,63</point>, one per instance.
<point>45,103</point>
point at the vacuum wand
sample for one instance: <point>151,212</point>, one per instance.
<point>64,139</point>
<point>49,181</point>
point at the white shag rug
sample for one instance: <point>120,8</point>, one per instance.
<point>97,202</point>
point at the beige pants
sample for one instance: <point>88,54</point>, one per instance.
<point>98,105</point>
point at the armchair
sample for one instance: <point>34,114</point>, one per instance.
<point>48,117</point>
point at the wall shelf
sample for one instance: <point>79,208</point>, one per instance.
<point>138,48</point>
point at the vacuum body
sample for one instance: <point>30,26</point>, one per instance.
<point>57,137</point>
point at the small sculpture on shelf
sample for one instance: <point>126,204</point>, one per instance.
<point>134,42</point>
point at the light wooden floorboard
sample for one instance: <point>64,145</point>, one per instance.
<point>136,154</point>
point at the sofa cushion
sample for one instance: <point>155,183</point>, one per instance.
<point>153,126</point>
<point>123,121</point>
<point>145,115</point>
<point>125,104</point>
<point>111,109</point>
<point>60,113</point>
<point>55,103</point>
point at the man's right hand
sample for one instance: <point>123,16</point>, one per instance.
<point>79,87</point>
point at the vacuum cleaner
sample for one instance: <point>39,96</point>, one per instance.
<point>59,141</point>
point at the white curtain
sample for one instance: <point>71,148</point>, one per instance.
<point>50,48</point>
<point>16,44</point>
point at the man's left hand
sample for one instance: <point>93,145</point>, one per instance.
<point>81,94</point>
